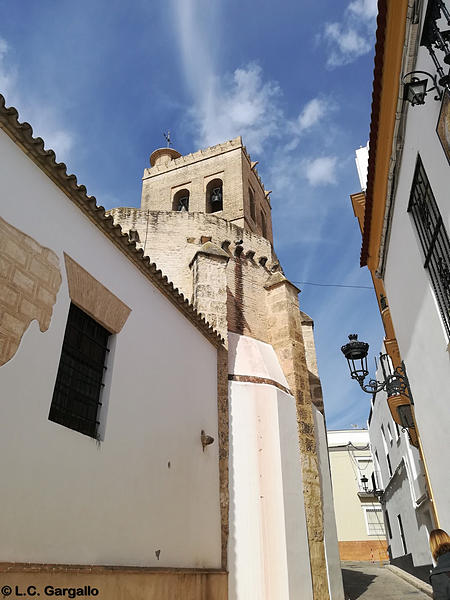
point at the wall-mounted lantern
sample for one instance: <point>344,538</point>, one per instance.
<point>415,89</point>
<point>395,382</point>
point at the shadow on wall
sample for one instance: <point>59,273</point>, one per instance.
<point>355,583</point>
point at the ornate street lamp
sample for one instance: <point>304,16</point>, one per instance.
<point>395,382</point>
<point>415,89</point>
<point>356,354</point>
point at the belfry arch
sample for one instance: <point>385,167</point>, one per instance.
<point>180,202</point>
<point>214,196</point>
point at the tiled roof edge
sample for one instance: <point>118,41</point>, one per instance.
<point>374,120</point>
<point>22,135</point>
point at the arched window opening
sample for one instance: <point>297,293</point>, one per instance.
<point>214,196</point>
<point>181,201</point>
<point>251,199</point>
<point>263,224</point>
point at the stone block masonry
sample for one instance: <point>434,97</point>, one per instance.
<point>287,341</point>
<point>229,163</point>
<point>29,281</point>
<point>172,239</point>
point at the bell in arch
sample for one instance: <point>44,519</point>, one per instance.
<point>216,199</point>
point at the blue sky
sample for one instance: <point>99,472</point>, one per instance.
<point>101,81</point>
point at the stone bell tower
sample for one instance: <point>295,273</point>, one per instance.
<point>221,180</point>
<point>205,220</point>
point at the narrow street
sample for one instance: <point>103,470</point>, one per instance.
<point>371,581</point>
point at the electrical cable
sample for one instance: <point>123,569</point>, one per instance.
<point>362,287</point>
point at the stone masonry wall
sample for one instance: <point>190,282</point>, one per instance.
<point>172,239</point>
<point>210,289</point>
<point>311,361</point>
<point>228,162</point>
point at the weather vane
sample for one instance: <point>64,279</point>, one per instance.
<point>167,136</point>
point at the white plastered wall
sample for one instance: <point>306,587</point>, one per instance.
<point>268,546</point>
<point>405,490</point>
<point>421,336</point>
<point>68,499</point>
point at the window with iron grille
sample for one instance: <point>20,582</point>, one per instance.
<point>76,397</point>
<point>433,239</point>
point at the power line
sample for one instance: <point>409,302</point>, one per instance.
<point>362,287</point>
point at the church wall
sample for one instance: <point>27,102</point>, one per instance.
<point>250,179</point>
<point>228,162</point>
<point>261,305</point>
<point>268,534</point>
<point>287,341</point>
<point>147,494</point>
<point>159,184</point>
<point>171,239</point>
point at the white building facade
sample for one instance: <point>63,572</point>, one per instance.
<point>418,295</point>
<point>400,479</point>
<point>404,216</point>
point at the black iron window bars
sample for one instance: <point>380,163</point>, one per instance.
<point>433,238</point>
<point>76,397</point>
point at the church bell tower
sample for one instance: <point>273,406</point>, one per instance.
<point>221,180</point>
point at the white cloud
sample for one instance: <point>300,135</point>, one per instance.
<point>7,74</point>
<point>311,114</point>
<point>245,102</point>
<point>225,106</point>
<point>352,37</point>
<point>364,9</point>
<point>37,112</point>
<point>246,105</point>
<point>347,44</point>
<point>321,170</point>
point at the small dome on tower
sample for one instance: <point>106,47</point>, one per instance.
<point>162,156</point>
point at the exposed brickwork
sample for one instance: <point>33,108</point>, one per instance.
<point>29,281</point>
